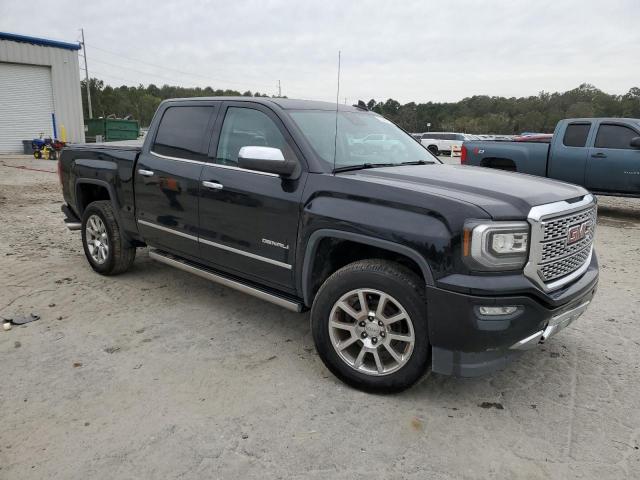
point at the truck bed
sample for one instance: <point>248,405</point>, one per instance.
<point>525,157</point>
<point>105,165</point>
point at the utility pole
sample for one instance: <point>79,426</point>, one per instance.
<point>279,89</point>
<point>86,73</point>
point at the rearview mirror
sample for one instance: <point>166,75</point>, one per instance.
<point>635,142</point>
<point>265,159</point>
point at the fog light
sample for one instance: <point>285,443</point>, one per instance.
<point>504,310</point>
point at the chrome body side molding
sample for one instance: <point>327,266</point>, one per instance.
<point>222,280</point>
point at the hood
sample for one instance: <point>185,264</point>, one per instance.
<point>503,195</point>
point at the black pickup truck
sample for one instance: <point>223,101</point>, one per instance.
<point>405,263</point>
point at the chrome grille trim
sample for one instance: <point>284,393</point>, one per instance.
<point>552,263</point>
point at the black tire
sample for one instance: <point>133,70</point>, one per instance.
<point>37,154</point>
<point>434,150</point>
<point>392,279</point>
<point>120,254</point>
<point>53,155</point>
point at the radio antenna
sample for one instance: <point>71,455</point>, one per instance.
<point>335,138</point>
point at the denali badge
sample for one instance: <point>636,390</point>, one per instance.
<point>578,232</point>
<point>275,244</point>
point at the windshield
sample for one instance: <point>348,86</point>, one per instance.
<point>363,138</point>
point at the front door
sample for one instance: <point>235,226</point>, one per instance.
<point>568,155</point>
<point>614,166</point>
<point>249,219</point>
<point>167,178</point>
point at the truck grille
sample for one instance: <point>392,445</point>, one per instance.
<point>561,241</point>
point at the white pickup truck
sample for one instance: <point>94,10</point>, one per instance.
<point>444,142</point>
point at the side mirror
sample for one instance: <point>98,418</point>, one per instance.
<point>265,159</point>
<point>635,142</point>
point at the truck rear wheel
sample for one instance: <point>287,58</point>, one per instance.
<point>107,252</point>
<point>369,326</point>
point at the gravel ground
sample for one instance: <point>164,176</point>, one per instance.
<point>160,374</point>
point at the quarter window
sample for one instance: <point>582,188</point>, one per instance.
<point>576,134</point>
<point>246,127</point>
<point>182,132</point>
<point>614,136</point>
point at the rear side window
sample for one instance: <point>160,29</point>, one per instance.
<point>431,136</point>
<point>182,133</point>
<point>576,134</point>
<point>614,136</point>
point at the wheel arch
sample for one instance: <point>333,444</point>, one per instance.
<point>316,239</point>
<point>499,163</point>
<point>102,189</point>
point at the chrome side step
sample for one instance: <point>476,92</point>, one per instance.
<point>73,225</point>
<point>227,282</point>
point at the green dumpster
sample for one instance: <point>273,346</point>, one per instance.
<point>111,129</point>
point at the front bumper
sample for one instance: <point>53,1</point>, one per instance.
<point>466,343</point>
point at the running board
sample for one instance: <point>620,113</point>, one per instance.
<point>204,272</point>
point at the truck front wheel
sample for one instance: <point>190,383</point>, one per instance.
<point>107,252</point>
<point>369,326</point>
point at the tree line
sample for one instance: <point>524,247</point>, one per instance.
<point>476,114</point>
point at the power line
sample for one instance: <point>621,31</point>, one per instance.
<point>150,74</point>
<point>188,74</point>
<point>164,67</point>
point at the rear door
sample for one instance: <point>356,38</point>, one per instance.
<point>167,177</point>
<point>614,166</point>
<point>569,151</point>
<point>249,219</point>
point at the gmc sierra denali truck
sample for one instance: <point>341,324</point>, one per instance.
<point>405,263</point>
<point>602,154</point>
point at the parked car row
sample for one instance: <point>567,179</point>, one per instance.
<point>444,142</point>
<point>450,143</point>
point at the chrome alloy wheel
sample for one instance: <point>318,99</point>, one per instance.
<point>97,239</point>
<point>371,332</point>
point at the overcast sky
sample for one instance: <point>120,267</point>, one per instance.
<point>408,50</point>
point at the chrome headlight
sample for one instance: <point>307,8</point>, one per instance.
<point>491,246</point>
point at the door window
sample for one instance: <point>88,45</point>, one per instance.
<point>244,127</point>
<point>182,132</point>
<point>614,136</point>
<point>576,134</point>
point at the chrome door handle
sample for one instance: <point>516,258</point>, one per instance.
<point>213,185</point>
<point>145,173</point>
<point>599,155</point>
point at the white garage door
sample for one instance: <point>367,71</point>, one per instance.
<point>26,104</point>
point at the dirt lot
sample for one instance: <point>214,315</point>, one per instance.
<point>160,374</point>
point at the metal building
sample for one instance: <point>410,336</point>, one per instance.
<point>39,91</point>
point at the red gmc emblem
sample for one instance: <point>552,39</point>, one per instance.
<point>578,232</point>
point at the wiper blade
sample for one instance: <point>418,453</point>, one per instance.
<point>417,162</point>
<point>363,166</point>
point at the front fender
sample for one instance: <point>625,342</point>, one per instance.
<point>317,236</point>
